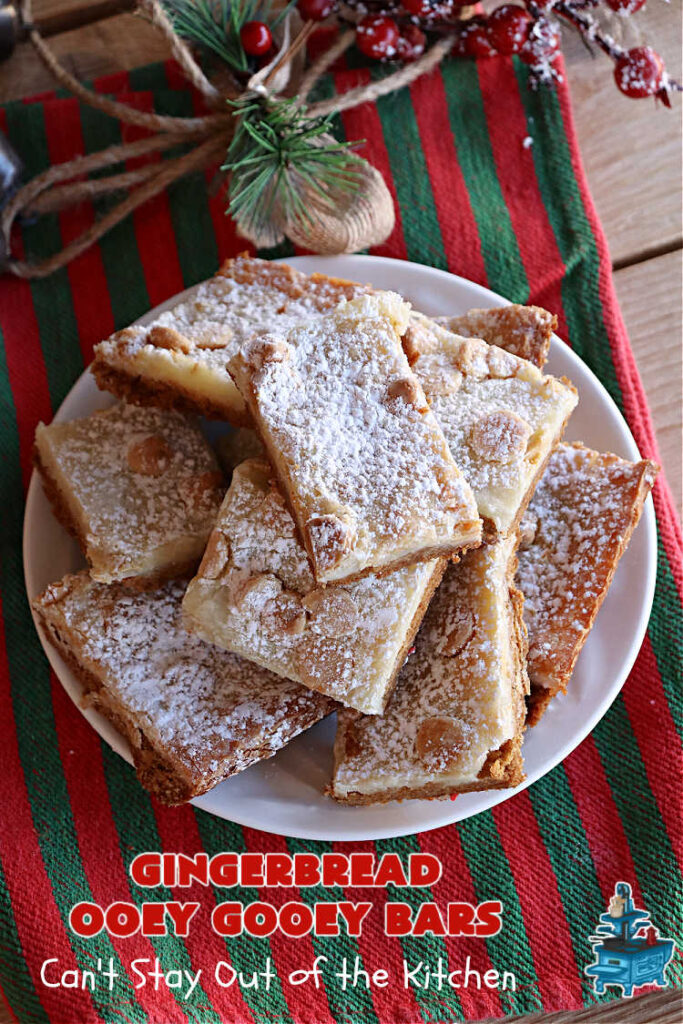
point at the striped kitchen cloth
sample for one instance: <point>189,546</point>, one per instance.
<point>488,184</point>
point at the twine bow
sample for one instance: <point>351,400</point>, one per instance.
<point>351,224</point>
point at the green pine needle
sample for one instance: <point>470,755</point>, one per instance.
<point>277,156</point>
<point>214,25</point>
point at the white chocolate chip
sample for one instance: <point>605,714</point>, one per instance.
<point>149,457</point>
<point>330,538</point>
<point>333,612</point>
<point>500,436</point>
<point>169,338</point>
<point>408,390</point>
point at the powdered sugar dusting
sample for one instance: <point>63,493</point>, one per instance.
<point>491,385</point>
<point>261,601</point>
<point>348,425</point>
<point>459,696</point>
<point>576,528</point>
<point>138,479</point>
<point>193,701</point>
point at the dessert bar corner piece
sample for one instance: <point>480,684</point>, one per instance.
<point>193,715</point>
<point>455,720</point>
<point>577,527</point>
<point>361,460</point>
<point>139,488</point>
<point>179,360</point>
<point>525,331</point>
<point>255,595</point>
<point>501,416</point>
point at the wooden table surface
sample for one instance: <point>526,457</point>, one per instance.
<point>632,154</point>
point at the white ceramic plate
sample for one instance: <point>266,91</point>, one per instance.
<point>284,795</point>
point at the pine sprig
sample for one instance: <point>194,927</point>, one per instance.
<point>214,25</point>
<point>281,161</point>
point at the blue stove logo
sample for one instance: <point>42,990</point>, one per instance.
<point>628,949</point>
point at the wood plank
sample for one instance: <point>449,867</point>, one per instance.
<point>655,1008</point>
<point>64,15</point>
<point>66,18</point>
<point>650,299</point>
<point>115,44</point>
<point>631,148</point>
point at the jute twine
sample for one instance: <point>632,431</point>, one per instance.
<point>340,225</point>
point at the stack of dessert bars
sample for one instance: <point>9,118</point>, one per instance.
<point>404,538</point>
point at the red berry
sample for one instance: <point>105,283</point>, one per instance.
<point>377,37</point>
<point>411,43</point>
<point>474,40</point>
<point>625,6</point>
<point>418,8</point>
<point>507,28</point>
<point>315,10</point>
<point>542,43</point>
<point>255,38</point>
<point>639,72</point>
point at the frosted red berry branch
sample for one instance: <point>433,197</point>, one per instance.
<point>639,71</point>
<point>389,30</point>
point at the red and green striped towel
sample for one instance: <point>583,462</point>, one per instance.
<point>473,199</point>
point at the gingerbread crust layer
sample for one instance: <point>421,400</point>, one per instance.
<point>161,772</point>
<point>137,389</point>
<point>546,683</point>
<point>525,331</point>
<point>430,347</point>
<point>62,513</point>
<point>503,767</point>
<point>141,391</point>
